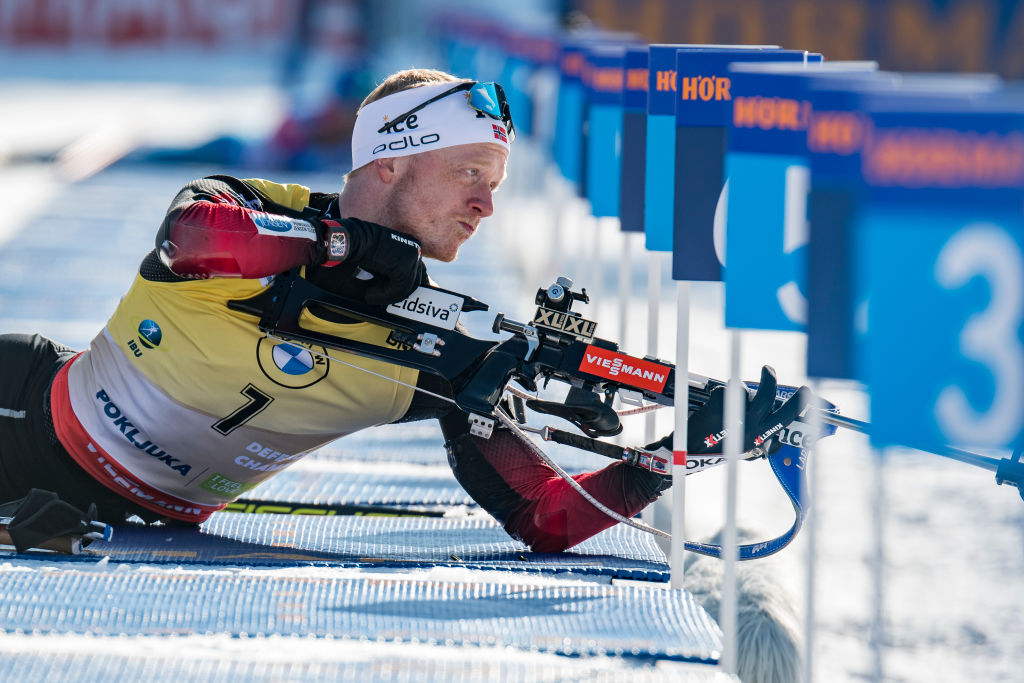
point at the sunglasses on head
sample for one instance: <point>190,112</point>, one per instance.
<point>487,99</point>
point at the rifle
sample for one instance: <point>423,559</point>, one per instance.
<point>557,344</point>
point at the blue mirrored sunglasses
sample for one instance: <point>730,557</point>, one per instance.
<point>487,99</point>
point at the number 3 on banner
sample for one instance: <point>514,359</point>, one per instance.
<point>989,337</point>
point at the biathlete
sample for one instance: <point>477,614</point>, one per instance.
<point>180,404</point>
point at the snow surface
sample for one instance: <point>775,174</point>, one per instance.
<point>954,541</point>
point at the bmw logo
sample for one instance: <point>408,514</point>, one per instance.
<point>291,364</point>
<point>293,360</point>
<point>149,334</point>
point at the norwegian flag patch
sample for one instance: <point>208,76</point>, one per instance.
<point>499,132</point>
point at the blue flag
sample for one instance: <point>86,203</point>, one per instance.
<point>838,132</point>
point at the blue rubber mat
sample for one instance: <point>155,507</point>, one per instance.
<point>392,485</point>
<point>500,666</point>
<point>577,619</point>
<point>291,540</point>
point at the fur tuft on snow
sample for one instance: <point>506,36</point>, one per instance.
<point>768,648</point>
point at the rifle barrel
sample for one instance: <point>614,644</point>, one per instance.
<point>952,452</point>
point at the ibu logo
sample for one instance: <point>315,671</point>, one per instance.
<point>292,360</point>
<point>150,335</point>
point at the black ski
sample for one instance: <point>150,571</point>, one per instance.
<point>275,507</point>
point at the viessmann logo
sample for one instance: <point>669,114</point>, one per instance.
<point>430,306</point>
<point>626,369</point>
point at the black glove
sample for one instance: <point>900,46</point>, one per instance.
<point>393,259</point>
<point>760,423</point>
<point>41,516</point>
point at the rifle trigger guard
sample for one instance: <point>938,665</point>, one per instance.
<point>584,409</point>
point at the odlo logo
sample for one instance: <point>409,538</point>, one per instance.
<point>406,142</point>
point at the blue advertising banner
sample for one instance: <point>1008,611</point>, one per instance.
<point>461,55</point>
<point>515,79</point>
<point>634,140</point>
<point>939,250</point>
<point>769,179</point>
<point>659,161</point>
<point>838,131</point>
<point>660,157</point>
<point>569,130</point>
<point>603,78</point>
<point>835,141</point>
<point>541,52</point>
<point>703,114</point>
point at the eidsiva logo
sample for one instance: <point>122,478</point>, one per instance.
<point>430,306</point>
<point>291,364</point>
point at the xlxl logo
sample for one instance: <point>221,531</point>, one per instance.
<point>580,328</point>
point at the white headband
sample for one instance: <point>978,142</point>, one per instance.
<point>447,122</point>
